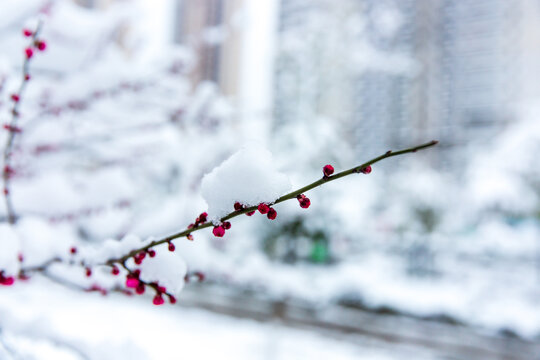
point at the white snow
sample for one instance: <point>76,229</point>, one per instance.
<point>249,176</point>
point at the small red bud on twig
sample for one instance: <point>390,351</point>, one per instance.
<point>28,52</point>
<point>366,170</point>
<point>41,45</point>
<point>328,170</point>
<point>272,214</point>
<point>263,208</point>
<point>218,231</point>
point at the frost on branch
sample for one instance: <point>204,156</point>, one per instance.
<point>248,177</point>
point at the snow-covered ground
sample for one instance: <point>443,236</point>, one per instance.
<point>43,320</point>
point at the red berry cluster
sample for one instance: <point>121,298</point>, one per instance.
<point>6,280</point>
<point>304,201</point>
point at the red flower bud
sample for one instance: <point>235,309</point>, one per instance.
<point>27,32</point>
<point>263,208</point>
<point>250,213</point>
<point>218,231</point>
<point>172,299</point>
<point>304,202</point>
<point>28,52</point>
<point>171,246</point>
<point>366,170</point>
<point>152,253</point>
<point>203,217</point>
<point>158,300</point>
<point>115,271</point>
<point>15,97</point>
<point>88,272</point>
<point>41,45</point>
<point>226,225</point>
<point>140,288</point>
<point>7,281</point>
<point>238,206</point>
<point>272,214</point>
<point>328,170</point>
<point>132,282</point>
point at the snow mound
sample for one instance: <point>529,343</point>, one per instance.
<point>249,176</point>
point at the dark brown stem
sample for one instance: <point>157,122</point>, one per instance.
<point>289,196</point>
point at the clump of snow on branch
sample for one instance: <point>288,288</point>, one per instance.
<point>249,176</point>
<point>166,268</point>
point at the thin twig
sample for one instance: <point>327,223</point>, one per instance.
<point>12,127</point>
<point>289,196</point>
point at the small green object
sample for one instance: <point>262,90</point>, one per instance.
<point>319,252</point>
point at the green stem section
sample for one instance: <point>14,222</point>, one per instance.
<point>289,196</point>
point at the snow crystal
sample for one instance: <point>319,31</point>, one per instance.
<point>249,176</point>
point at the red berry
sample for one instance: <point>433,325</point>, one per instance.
<point>29,52</point>
<point>27,32</point>
<point>250,213</point>
<point>26,77</point>
<point>263,208</point>
<point>238,206</point>
<point>88,272</point>
<point>171,246</point>
<point>218,231</point>
<point>115,271</point>
<point>15,97</point>
<point>305,203</point>
<point>152,253</point>
<point>366,170</point>
<point>272,214</point>
<point>172,299</point>
<point>73,250</point>
<point>328,170</point>
<point>132,282</point>
<point>189,237</point>
<point>226,225</point>
<point>158,300</point>
<point>41,45</point>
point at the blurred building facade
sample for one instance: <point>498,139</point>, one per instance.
<point>470,59</point>
<point>207,27</point>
